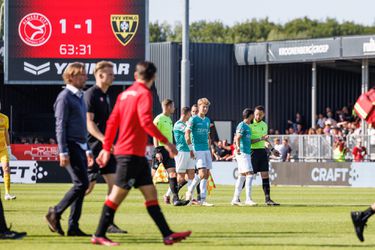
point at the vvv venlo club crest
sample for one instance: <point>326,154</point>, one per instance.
<point>124,27</point>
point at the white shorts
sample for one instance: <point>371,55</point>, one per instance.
<point>244,163</point>
<point>184,162</point>
<point>204,159</point>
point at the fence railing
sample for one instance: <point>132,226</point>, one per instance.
<point>320,147</point>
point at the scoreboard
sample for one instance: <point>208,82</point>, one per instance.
<point>43,36</point>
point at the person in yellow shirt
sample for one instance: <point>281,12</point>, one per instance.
<point>5,152</point>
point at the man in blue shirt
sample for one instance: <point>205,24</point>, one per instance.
<point>243,151</point>
<point>71,134</point>
<point>185,163</point>
<point>198,140</point>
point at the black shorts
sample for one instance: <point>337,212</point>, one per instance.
<point>95,170</point>
<point>132,171</point>
<point>168,162</point>
<point>259,160</point>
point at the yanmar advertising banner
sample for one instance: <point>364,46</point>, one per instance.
<point>43,37</point>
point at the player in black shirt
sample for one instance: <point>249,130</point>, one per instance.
<point>98,111</point>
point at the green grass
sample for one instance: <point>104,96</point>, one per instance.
<point>309,218</point>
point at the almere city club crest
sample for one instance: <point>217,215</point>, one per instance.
<point>124,27</point>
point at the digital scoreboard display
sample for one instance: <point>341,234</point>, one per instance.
<point>43,36</point>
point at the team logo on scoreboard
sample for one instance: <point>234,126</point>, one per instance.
<point>35,29</point>
<point>124,27</point>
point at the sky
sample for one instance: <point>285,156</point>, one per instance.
<point>279,11</point>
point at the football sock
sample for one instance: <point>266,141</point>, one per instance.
<point>266,188</point>
<point>189,182</point>
<point>106,218</point>
<point>173,185</point>
<point>194,184</point>
<point>154,211</point>
<point>169,192</point>
<point>238,188</point>
<point>7,183</point>
<point>181,185</point>
<point>248,185</point>
<point>203,187</point>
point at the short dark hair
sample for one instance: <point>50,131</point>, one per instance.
<point>246,113</point>
<point>185,110</point>
<point>260,108</point>
<point>194,106</point>
<point>146,70</point>
<point>166,102</point>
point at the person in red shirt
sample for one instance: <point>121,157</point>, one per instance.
<point>359,151</point>
<point>132,119</point>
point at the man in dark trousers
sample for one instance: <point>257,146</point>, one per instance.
<point>75,155</point>
<point>5,232</point>
<point>98,111</point>
<point>132,119</point>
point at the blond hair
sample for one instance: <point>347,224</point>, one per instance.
<point>73,69</point>
<point>101,65</point>
<point>204,101</point>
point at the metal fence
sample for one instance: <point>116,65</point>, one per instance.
<point>320,147</point>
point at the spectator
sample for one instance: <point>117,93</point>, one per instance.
<point>285,150</point>
<point>300,130</point>
<point>320,131</point>
<point>327,129</point>
<point>311,131</point>
<point>339,151</point>
<point>291,131</point>
<point>359,151</point>
<point>51,141</point>
<point>37,140</point>
<point>328,110</point>
<point>298,120</point>
<point>271,131</point>
<point>346,116</point>
<point>220,153</point>
<point>276,144</point>
<point>321,121</point>
<point>330,119</point>
<point>229,150</point>
<point>277,132</point>
<point>24,140</point>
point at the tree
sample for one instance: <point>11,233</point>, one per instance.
<point>257,30</point>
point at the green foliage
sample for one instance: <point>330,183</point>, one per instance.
<point>257,30</point>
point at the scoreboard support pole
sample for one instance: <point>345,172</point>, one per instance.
<point>185,63</point>
<point>147,30</point>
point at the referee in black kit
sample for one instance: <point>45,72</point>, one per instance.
<point>98,111</point>
<point>75,155</point>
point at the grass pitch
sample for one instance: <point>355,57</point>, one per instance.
<point>309,218</point>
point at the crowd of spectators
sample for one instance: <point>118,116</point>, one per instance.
<point>340,126</point>
<point>33,140</point>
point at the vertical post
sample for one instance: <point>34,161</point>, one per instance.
<point>185,63</point>
<point>364,89</point>
<point>266,91</point>
<point>11,124</point>
<point>147,30</point>
<point>313,95</point>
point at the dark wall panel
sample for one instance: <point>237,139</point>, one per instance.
<point>229,87</point>
<point>289,92</point>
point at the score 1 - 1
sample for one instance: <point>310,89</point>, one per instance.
<point>77,26</point>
